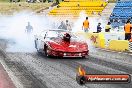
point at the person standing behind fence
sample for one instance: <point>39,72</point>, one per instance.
<point>68,26</point>
<point>62,26</point>
<point>108,27</point>
<point>86,25</point>
<point>29,28</point>
<point>99,27</point>
<point>127,29</point>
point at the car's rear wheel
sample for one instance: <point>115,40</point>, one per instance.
<point>83,57</point>
<point>38,51</point>
<point>35,42</point>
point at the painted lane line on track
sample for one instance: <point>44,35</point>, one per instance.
<point>129,53</point>
<point>14,79</point>
<point>47,81</point>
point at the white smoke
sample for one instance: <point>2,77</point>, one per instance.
<point>93,22</point>
<point>13,28</point>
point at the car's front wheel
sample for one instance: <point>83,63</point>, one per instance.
<point>46,51</point>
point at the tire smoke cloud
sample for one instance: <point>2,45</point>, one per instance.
<point>13,29</point>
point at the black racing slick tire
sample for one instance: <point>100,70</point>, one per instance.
<point>46,51</point>
<point>86,57</point>
<point>35,42</point>
<point>38,51</point>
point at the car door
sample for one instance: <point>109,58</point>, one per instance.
<point>40,40</point>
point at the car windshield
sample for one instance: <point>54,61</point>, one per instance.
<point>57,33</point>
<point>52,34</point>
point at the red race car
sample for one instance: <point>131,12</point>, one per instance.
<point>60,43</point>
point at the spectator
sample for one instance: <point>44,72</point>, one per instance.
<point>102,5</point>
<point>127,29</point>
<point>92,13</point>
<point>111,20</point>
<point>68,26</point>
<point>123,21</point>
<point>62,26</point>
<point>118,20</point>
<point>99,13</point>
<point>78,4</point>
<point>112,14</point>
<point>29,28</point>
<point>99,27</point>
<point>86,25</point>
<point>107,27</point>
<point>129,20</point>
<point>58,6</point>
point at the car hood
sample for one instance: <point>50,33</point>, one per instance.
<point>59,44</point>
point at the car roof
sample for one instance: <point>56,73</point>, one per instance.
<point>55,30</point>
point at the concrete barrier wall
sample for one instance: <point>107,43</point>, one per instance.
<point>119,45</point>
<point>97,39</point>
<point>115,41</point>
<point>108,40</point>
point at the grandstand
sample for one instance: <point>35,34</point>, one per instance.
<point>74,7</point>
<point>121,13</point>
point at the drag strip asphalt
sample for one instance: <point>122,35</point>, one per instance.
<point>34,70</point>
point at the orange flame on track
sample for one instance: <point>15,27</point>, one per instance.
<point>81,71</point>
